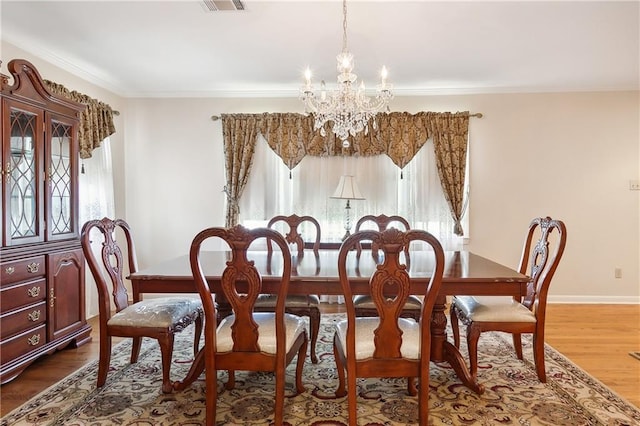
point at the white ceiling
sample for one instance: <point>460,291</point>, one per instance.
<point>177,48</point>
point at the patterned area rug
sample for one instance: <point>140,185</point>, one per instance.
<point>513,395</point>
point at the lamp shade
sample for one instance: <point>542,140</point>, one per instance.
<point>347,189</point>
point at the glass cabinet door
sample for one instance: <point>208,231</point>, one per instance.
<point>23,223</point>
<point>61,189</point>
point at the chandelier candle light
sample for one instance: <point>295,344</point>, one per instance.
<point>347,190</point>
<point>348,107</point>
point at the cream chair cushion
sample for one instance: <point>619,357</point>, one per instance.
<point>493,309</point>
<point>292,301</point>
<point>162,312</point>
<point>365,326</point>
<point>266,321</point>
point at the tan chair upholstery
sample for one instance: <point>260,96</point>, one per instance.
<point>157,318</point>
<point>302,305</point>
<point>246,340</point>
<point>364,304</point>
<point>540,258</point>
<point>386,345</point>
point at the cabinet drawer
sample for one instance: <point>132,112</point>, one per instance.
<point>23,319</point>
<point>22,294</point>
<point>21,270</point>
<point>23,343</point>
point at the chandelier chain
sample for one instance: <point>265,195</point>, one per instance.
<point>344,26</point>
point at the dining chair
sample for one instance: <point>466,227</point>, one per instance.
<point>158,318</point>
<point>386,345</point>
<point>247,340</point>
<point>363,302</point>
<point>301,305</point>
<point>540,257</point>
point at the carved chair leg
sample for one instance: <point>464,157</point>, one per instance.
<point>412,389</point>
<point>279,404</point>
<point>105,359</point>
<point>423,397</point>
<point>198,333</point>
<point>455,327</point>
<point>231,382</point>
<point>135,349</point>
<point>166,352</point>
<point>473,335</point>
<point>314,325</point>
<point>517,344</point>
<point>337,355</point>
<point>352,398</point>
<point>302,354</point>
<point>538,357</point>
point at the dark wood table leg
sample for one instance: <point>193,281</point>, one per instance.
<point>444,351</point>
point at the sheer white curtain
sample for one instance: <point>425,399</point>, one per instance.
<point>96,201</point>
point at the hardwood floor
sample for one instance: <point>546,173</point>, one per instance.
<point>598,338</point>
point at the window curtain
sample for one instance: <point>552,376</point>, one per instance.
<point>96,121</point>
<point>450,145</point>
<point>96,200</point>
<point>399,135</point>
<point>239,133</point>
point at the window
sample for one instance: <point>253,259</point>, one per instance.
<point>271,190</point>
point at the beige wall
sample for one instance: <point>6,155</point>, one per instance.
<point>568,155</point>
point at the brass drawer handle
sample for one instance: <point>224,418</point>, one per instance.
<point>10,270</point>
<point>33,291</point>
<point>34,316</point>
<point>52,298</point>
<point>34,340</point>
<point>33,267</point>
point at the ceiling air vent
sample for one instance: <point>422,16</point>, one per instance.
<point>217,5</point>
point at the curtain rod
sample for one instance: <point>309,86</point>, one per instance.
<point>217,117</point>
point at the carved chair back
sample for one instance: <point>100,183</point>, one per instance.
<point>293,235</point>
<point>108,272</point>
<point>382,222</point>
<point>541,254</point>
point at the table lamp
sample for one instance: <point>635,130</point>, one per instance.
<point>347,190</point>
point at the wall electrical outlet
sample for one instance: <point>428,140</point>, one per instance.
<point>634,185</point>
<point>618,272</point>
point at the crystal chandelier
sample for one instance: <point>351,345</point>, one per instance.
<point>348,107</point>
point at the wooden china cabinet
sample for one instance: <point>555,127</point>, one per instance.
<point>42,294</point>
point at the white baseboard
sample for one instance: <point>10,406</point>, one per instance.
<point>600,300</point>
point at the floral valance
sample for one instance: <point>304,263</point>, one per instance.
<point>96,122</point>
<point>399,135</point>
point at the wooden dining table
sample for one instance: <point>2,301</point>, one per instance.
<point>465,273</point>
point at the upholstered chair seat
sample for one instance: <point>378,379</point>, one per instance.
<point>365,345</point>
<point>294,325</point>
<point>493,309</point>
<point>165,312</point>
